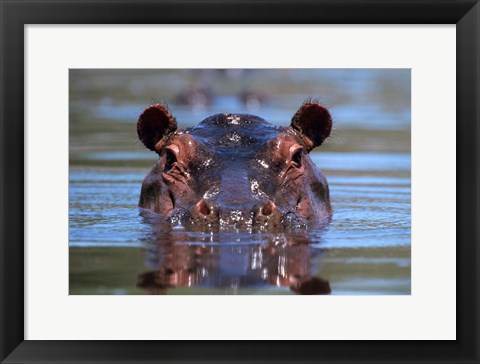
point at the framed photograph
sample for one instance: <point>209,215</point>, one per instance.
<point>239,181</point>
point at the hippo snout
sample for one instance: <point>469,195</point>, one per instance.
<point>261,214</point>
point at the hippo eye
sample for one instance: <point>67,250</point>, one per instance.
<point>170,160</point>
<point>297,158</point>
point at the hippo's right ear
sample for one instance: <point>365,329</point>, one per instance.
<point>313,124</point>
<point>153,124</point>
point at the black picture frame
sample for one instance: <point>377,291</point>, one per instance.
<point>15,14</point>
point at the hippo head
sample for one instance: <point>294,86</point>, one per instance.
<point>236,170</point>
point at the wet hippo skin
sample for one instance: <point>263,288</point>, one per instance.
<point>236,170</point>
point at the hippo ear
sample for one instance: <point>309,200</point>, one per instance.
<point>154,123</point>
<point>314,123</point>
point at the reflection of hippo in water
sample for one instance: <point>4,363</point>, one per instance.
<point>277,261</point>
<point>236,170</point>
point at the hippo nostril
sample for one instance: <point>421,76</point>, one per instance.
<point>266,215</point>
<point>268,208</point>
<point>204,207</point>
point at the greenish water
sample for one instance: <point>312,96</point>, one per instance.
<point>365,250</point>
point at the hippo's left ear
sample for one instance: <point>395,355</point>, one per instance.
<point>314,123</point>
<point>153,124</point>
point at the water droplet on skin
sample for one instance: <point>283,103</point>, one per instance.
<point>212,192</point>
<point>176,222</point>
<point>207,162</point>
<point>234,137</point>
<point>263,163</point>
<point>236,215</point>
<point>233,119</point>
<point>255,189</point>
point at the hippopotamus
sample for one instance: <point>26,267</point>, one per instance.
<point>236,170</point>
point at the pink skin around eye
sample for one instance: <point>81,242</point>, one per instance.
<point>295,148</point>
<point>174,148</point>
